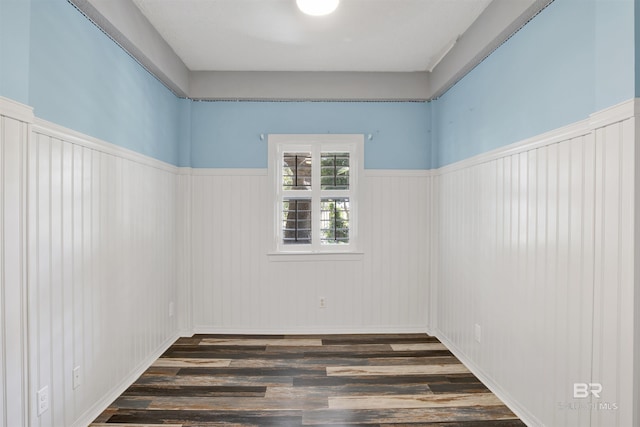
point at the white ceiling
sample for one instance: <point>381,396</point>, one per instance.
<point>378,50</point>
<point>272,35</point>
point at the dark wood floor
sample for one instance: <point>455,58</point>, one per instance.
<point>366,380</point>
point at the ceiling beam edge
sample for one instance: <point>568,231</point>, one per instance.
<point>309,86</point>
<point>499,21</point>
<point>123,22</point>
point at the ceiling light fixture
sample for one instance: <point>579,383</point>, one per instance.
<point>317,7</point>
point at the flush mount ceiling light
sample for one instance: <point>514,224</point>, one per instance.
<point>317,7</point>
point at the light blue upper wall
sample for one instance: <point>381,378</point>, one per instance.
<point>184,123</point>
<point>15,24</point>
<point>75,76</point>
<point>81,79</point>
<point>575,58</point>
<point>614,51</point>
<point>227,134</point>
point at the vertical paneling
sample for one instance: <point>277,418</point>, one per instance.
<point>238,287</point>
<point>183,252</point>
<point>536,247</point>
<point>14,133</point>
<point>102,271</point>
<point>636,272</point>
<point>613,346</point>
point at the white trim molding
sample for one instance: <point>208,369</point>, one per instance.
<point>522,412</point>
<point>227,171</point>
<point>617,113</point>
<point>402,173</point>
<point>16,110</point>
<point>78,138</point>
<point>614,114</point>
<point>320,330</point>
<point>15,125</point>
<point>99,406</point>
<point>570,131</point>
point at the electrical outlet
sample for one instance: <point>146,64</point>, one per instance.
<point>77,378</point>
<point>42,397</point>
<point>323,302</point>
<point>478,333</point>
<point>171,309</point>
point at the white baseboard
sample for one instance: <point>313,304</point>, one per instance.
<point>311,330</point>
<point>525,416</point>
<point>99,407</point>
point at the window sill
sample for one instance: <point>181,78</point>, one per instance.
<point>314,256</point>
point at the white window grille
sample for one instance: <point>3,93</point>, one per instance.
<point>315,191</point>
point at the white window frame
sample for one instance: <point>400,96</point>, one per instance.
<point>315,144</point>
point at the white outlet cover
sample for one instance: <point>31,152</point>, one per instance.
<point>77,378</point>
<point>43,400</point>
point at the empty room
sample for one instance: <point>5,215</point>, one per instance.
<point>329,213</point>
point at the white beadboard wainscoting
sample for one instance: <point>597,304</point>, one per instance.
<point>521,260</point>
<point>80,220</point>
<point>239,287</point>
<point>536,249</point>
<point>15,122</point>
<point>101,250</point>
<point>182,261</point>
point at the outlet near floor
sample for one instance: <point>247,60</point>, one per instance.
<point>77,377</point>
<point>42,398</point>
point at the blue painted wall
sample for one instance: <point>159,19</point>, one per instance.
<point>226,134</point>
<point>75,76</point>
<point>15,23</point>
<point>58,62</point>
<point>575,58</point>
<point>81,79</point>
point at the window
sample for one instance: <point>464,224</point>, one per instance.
<point>315,191</point>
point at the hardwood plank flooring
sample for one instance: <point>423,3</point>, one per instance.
<point>295,380</point>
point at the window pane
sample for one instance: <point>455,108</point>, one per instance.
<point>296,221</point>
<point>334,171</point>
<point>296,171</point>
<point>334,219</point>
